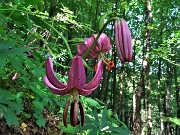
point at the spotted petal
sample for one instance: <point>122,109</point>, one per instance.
<point>94,83</point>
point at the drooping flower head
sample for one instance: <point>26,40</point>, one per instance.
<point>102,46</point>
<point>123,40</point>
<point>76,85</point>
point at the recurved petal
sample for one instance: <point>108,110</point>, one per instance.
<point>103,43</point>
<point>81,49</point>
<point>76,77</point>
<point>51,76</point>
<point>94,83</point>
<point>55,90</point>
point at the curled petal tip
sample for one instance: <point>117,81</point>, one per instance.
<point>94,83</point>
<point>55,90</point>
<point>51,76</point>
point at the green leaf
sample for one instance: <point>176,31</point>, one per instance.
<point>9,115</point>
<point>38,106</point>
<point>175,121</point>
<point>40,121</point>
<point>2,60</point>
<point>70,130</point>
<point>104,117</point>
<point>88,126</point>
<point>118,131</point>
<point>102,19</point>
<point>94,131</point>
<point>38,21</point>
<point>92,102</point>
<point>96,121</point>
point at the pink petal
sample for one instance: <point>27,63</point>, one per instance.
<point>94,83</point>
<point>118,41</point>
<point>127,40</point>
<point>81,49</point>
<point>103,43</point>
<point>51,76</point>
<point>55,90</point>
<point>77,76</point>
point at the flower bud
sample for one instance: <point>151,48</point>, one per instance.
<point>123,40</point>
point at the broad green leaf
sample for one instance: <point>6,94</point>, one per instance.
<point>38,106</point>
<point>104,117</point>
<point>118,131</point>
<point>38,21</point>
<point>9,115</point>
<point>94,131</point>
<point>70,130</point>
<point>102,20</point>
<point>92,102</point>
<point>40,121</point>
<point>96,121</point>
<point>2,60</point>
<point>175,121</point>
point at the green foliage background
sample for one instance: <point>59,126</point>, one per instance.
<point>45,27</point>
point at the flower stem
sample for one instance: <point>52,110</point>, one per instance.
<point>99,33</point>
<point>63,38</point>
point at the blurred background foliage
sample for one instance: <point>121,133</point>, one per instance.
<point>32,30</point>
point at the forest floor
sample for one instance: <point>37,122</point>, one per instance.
<point>29,127</point>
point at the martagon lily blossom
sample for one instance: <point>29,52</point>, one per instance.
<point>123,40</point>
<point>102,46</point>
<point>76,85</point>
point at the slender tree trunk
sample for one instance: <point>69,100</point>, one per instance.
<point>177,86</point>
<point>144,73</point>
<point>159,98</point>
<point>120,93</point>
<point>137,105</point>
<point>147,35</point>
<point>167,100</point>
<point>114,109</point>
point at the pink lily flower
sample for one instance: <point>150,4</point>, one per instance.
<point>76,85</point>
<point>123,40</point>
<point>102,46</point>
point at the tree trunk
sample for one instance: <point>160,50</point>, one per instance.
<point>159,97</point>
<point>177,86</point>
<point>147,35</point>
<point>144,73</point>
<point>120,93</point>
<point>167,100</point>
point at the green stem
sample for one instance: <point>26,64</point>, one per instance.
<point>99,33</point>
<point>63,38</point>
<point>55,30</point>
